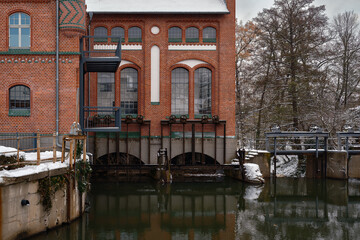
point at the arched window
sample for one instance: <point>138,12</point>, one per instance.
<point>209,34</point>
<point>192,34</point>
<point>105,89</point>
<point>202,91</point>
<point>19,30</point>
<point>19,101</point>
<point>118,31</point>
<point>180,91</point>
<point>175,34</point>
<point>129,91</point>
<point>135,34</point>
<point>100,31</point>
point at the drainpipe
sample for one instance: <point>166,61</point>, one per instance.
<point>57,74</point>
<point>90,18</point>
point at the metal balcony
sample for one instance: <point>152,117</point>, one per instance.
<point>102,119</point>
<point>100,53</point>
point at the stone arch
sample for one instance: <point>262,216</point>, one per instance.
<point>110,159</point>
<point>208,160</point>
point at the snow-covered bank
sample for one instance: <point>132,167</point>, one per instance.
<point>253,173</point>
<point>30,169</point>
<point>287,166</point>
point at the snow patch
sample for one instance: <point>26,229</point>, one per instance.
<point>252,192</point>
<point>252,172</point>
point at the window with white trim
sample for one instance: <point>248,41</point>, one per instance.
<point>19,30</point>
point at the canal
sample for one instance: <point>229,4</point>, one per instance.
<point>222,209</point>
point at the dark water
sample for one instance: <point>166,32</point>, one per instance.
<point>291,209</point>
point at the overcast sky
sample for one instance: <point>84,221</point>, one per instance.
<point>247,9</point>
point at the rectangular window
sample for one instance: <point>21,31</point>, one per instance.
<point>106,89</point>
<point>25,37</point>
<point>14,37</point>
<point>180,91</point>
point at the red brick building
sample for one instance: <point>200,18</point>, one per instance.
<point>177,61</point>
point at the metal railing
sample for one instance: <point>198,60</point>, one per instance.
<point>100,46</point>
<point>102,118</point>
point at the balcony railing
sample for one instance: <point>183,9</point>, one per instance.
<point>100,53</point>
<point>102,119</point>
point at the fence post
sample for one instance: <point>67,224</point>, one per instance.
<point>38,147</point>
<point>54,147</point>
<point>84,149</point>
<point>71,154</point>
<point>18,149</point>
<point>63,150</point>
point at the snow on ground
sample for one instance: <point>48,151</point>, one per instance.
<point>252,172</point>
<point>9,151</point>
<point>30,169</point>
<point>287,166</point>
<point>30,156</point>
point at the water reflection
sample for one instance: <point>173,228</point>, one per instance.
<point>289,209</point>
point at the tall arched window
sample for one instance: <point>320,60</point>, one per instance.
<point>106,89</point>
<point>202,91</point>
<point>129,91</point>
<point>180,91</point>
<point>192,34</point>
<point>118,31</point>
<point>175,34</point>
<point>100,31</point>
<point>135,34</point>
<point>19,101</point>
<point>19,30</point>
<point>209,34</point>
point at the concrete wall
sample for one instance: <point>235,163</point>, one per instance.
<point>337,165</point>
<point>155,145</point>
<point>19,221</point>
<point>263,160</point>
<point>354,167</point>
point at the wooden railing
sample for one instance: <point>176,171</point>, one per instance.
<point>39,148</point>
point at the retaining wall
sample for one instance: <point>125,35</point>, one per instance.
<point>18,222</point>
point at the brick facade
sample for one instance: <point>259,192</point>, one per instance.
<point>35,67</point>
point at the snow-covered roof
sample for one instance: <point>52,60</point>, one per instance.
<point>158,6</point>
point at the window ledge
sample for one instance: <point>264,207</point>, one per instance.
<point>19,112</point>
<point>199,116</point>
<point>123,115</point>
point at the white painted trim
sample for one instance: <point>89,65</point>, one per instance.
<point>113,47</point>
<point>123,62</point>
<point>192,47</point>
<point>155,74</point>
<point>192,62</point>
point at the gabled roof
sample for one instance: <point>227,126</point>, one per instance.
<point>158,6</point>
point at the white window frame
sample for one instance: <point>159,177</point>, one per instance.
<point>20,27</point>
